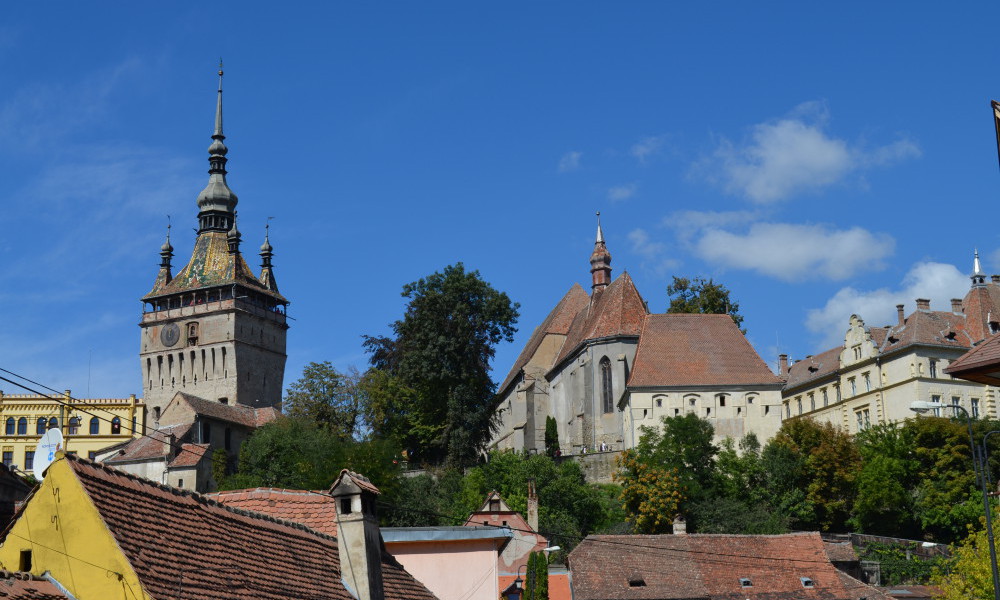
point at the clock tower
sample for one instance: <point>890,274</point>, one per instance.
<point>215,330</point>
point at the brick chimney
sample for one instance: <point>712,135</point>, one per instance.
<point>900,315</point>
<point>956,305</point>
<point>783,365</point>
<point>923,304</point>
<point>532,506</point>
<point>359,542</point>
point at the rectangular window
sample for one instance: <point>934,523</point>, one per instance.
<point>8,458</point>
<point>956,400</point>
<point>937,411</point>
<point>798,401</point>
<point>975,408</point>
<point>788,410</point>
<point>29,460</point>
<point>92,455</point>
<point>868,382</point>
<point>836,388</point>
<point>933,368</point>
<point>826,398</point>
<point>861,423</point>
<point>812,401</point>
<point>854,387</point>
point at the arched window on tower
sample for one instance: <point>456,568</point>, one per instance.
<point>116,426</point>
<point>95,426</point>
<point>606,387</point>
<point>22,426</point>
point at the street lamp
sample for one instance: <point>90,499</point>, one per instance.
<point>514,590</point>
<point>922,406</point>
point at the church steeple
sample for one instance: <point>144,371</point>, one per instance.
<point>266,271</point>
<point>600,261</point>
<point>978,277</point>
<point>217,203</point>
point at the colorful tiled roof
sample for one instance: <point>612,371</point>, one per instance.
<point>557,322</point>
<point>662,567</point>
<point>212,265</point>
<point>312,509</point>
<point>618,310</point>
<point>184,545</point>
<point>696,349</point>
<point>25,586</point>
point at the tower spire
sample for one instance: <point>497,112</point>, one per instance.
<point>266,252</point>
<point>217,202</point>
<point>600,261</point>
<point>978,278</point>
<point>233,238</point>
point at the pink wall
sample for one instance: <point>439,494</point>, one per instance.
<point>453,570</point>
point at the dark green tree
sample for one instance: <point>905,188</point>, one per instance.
<point>683,444</point>
<point>326,397</point>
<point>886,482</point>
<point>441,349</point>
<point>551,436</point>
<point>702,296</point>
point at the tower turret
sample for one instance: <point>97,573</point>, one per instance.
<point>600,260</point>
<point>978,277</point>
<point>217,203</point>
<point>266,270</point>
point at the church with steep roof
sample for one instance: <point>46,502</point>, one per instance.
<point>602,366</point>
<point>212,343</point>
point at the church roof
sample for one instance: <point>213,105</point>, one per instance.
<point>696,349</point>
<point>170,535</point>
<point>616,311</point>
<point>710,567</point>
<point>315,510</point>
<point>212,265</point>
<point>557,322</point>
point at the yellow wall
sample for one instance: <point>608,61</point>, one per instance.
<point>68,538</point>
<point>83,442</point>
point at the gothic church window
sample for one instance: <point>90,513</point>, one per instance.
<point>606,385</point>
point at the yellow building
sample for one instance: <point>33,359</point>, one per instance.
<point>87,425</point>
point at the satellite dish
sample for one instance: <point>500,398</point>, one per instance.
<point>45,452</point>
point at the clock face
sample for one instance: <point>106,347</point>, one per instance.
<point>170,334</point>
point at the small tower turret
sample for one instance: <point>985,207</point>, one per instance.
<point>978,277</point>
<point>266,270</point>
<point>600,261</point>
<point>233,238</point>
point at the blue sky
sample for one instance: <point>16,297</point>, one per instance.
<point>818,160</point>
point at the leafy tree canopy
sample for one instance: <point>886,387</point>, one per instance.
<point>684,445</point>
<point>328,398</point>
<point>702,296</point>
<point>441,350</point>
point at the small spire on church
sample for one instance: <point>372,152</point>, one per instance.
<point>233,238</point>
<point>600,261</point>
<point>216,202</point>
<point>978,278</point>
<point>266,269</point>
<point>166,250</point>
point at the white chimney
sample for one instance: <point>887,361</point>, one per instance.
<point>359,542</point>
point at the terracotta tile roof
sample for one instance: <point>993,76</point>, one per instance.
<point>148,446</point>
<point>928,327</point>
<point>840,551</point>
<point>557,322</point>
<point>189,456</point>
<point>231,413</point>
<point>315,510</point>
<point>661,567</point>
<point>618,310</point>
<point>814,367</point>
<point>212,265</point>
<point>981,364</point>
<point>696,349</point>
<point>215,551</point>
<point>359,480</point>
<point>25,586</point>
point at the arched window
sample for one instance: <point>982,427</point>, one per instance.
<point>53,423</point>
<point>95,426</point>
<point>116,426</point>
<point>22,426</point>
<point>10,426</point>
<point>40,426</point>
<point>606,395</point>
<point>74,425</point>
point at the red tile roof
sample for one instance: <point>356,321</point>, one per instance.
<point>557,322</point>
<point>315,510</point>
<point>359,480</point>
<point>184,545</point>
<point>813,368</point>
<point>618,310</point>
<point>190,455</point>
<point>25,586</point>
<point>696,349</point>
<point>231,413</point>
<point>981,364</point>
<point>662,567</point>
<point>148,446</point>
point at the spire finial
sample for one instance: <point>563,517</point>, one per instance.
<point>216,201</point>
<point>978,278</point>
<point>218,109</point>
<point>600,233</point>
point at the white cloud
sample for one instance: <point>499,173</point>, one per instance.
<point>688,223</point>
<point>936,281</point>
<point>570,162</point>
<point>651,251</point>
<point>793,252</point>
<point>646,147</point>
<point>794,155</point>
<point>622,192</point>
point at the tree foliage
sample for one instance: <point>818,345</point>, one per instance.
<point>651,495</point>
<point>683,445</point>
<point>969,574</point>
<point>441,351</point>
<point>702,296</point>
<point>328,398</point>
<point>551,436</point>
